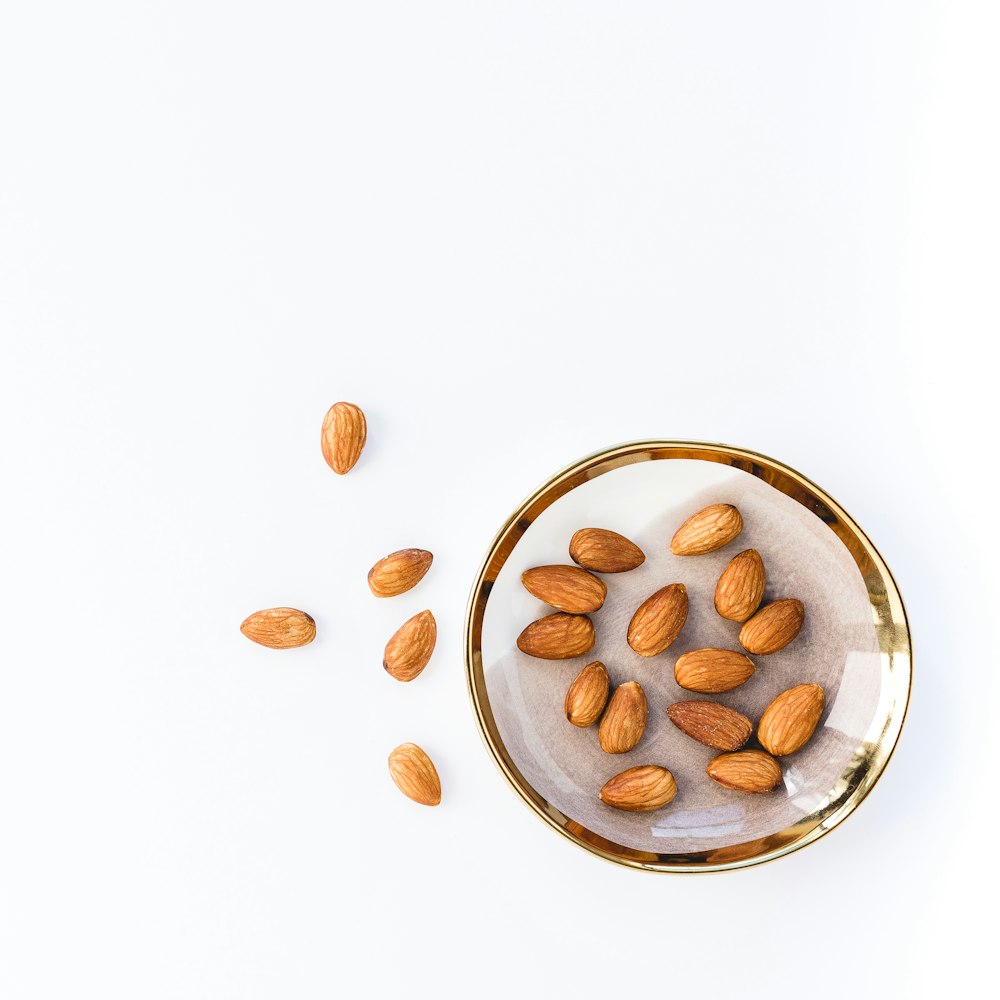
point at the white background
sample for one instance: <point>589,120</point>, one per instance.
<point>514,233</point>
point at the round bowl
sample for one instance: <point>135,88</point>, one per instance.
<point>855,643</point>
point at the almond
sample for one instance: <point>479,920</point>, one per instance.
<point>712,671</point>
<point>399,572</point>
<point>658,620</point>
<point>604,551</point>
<point>790,720</point>
<point>740,588</point>
<point>708,530</point>
<point>640,789</point>
<point>343,436</point>
<point>567,588</point>
<point>415,774</point>
<point>773,627</point>
<point>409,650</point>
<point>745,771</point>
<point>557,637</point>
<point>280,628</point>
<point>714,725</point>
<point>624,719</point>
<point>587,695</point>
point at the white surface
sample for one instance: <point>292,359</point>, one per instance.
<point>514,233</point>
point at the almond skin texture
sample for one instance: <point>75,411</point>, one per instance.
<point>567,588</point>
<point>640,789</point>
<point>280,628</point>
<point>604,551</point>
<point>587,695</point>
<point>415,774</point>
<point>343,436</point>
<point>740,588</point>
<point>557,637</point>
<point>714,725</point>
<point>708,530</point>
<point>790,720</point>
<point>624,719</point>
<point>746,771</point>
<point>409,650</point>
<point>659,620</point>
<point>399,572</point>
<point>773,627</point>
<point>712,671</point>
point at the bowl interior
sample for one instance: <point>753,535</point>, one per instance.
<point>853,643</point>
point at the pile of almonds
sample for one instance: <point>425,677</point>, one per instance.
<point>785,726</point>
<point>342,439</point>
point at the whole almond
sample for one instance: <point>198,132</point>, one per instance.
<point>415,774</point>
<point>604,551</point>
<point>712,671</point>
<point>714,725</point>
<point>567,588</point>
<point>740,588</point>
<point>280,628</point>
<point>790,720</point>
<point>587,695</point>
<point>557,637</point>
<point>707,530</point>
<point>658,620</point>
<point>773,627</point>
<point>410,648</point>
<point>343,436</point>
<point>624,719</point>
<point>399,572</point>
<point>640,789</point>
<point>746,771</point>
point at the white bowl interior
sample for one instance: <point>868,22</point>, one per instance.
<point>837,648</point>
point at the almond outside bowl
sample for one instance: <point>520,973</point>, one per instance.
<point>855,643</point>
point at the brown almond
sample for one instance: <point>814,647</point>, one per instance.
<point>410,648</point>
<point>658,620</point>
<point>415,774</point>
<point>399,572</point>
<point>746,771</point>
<point>740,588</point>
<point>587,695</point>
<point>707,530</point>
<point>624,719</point>
<point>714,725</point>
<point>712,671</point>
<point>343,436</point>
<point>790,720</point>
<point>640,789</point>
<point>604,551</point>
<point>557,637</point>
<point>773,627</point>
<point>567,588</point>
<point>280,628</point>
